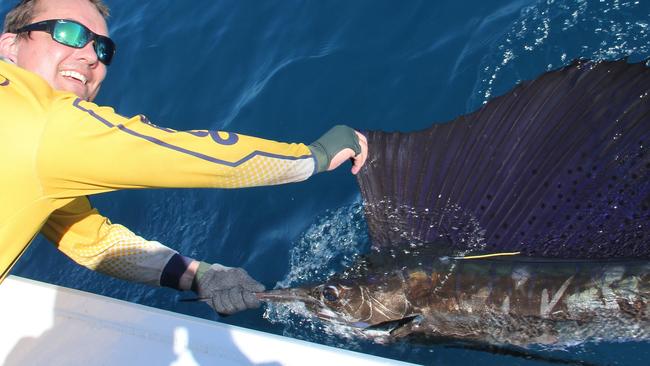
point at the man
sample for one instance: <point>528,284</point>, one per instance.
<point>57,147</point>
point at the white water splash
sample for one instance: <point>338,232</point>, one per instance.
<point>332,243</point>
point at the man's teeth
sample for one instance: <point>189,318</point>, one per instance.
<point>74,74</point>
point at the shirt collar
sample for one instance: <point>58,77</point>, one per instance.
<point>6,60</point>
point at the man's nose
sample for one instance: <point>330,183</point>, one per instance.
<point>87,53</point>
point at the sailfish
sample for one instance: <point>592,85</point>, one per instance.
<point>526,222</point>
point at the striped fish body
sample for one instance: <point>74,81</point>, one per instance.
<point>518,302</point>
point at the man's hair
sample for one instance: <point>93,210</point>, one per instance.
<point>23,13</point>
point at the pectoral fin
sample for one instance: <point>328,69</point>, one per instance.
<point>397,328</point>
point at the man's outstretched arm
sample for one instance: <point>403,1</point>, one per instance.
<point>91,240</point>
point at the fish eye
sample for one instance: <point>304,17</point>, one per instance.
<point>330,293</point>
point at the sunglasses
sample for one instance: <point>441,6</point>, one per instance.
<point>73,34</point>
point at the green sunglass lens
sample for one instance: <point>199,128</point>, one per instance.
<point>70,34</point>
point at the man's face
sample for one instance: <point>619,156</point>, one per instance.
<point>76,70</point>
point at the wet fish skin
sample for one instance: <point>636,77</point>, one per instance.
<point>516,302</point>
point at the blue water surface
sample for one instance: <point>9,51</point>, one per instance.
<point>288,70</point>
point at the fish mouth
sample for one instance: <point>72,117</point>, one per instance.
<point>303,296</point>
<point>286,295</point>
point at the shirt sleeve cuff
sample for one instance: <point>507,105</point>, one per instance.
<point>174,270</point>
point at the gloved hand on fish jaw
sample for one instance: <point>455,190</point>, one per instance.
<point>227,290</point>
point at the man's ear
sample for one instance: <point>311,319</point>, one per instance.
<point>9,46</point>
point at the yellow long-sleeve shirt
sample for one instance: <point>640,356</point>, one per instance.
<point>55,149</point>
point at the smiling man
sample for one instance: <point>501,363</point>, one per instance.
<point>57,147</point>
<point>76,70</point>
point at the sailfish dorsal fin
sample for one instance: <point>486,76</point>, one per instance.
<point>557,167</point>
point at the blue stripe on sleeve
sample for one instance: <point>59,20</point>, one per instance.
<point>121,127</point>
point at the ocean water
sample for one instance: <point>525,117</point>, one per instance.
<point>288,70</point>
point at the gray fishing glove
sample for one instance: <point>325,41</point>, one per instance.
<point>227,290</point>
<point>336,139</point>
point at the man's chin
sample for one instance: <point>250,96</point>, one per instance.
<point>75,88</point>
